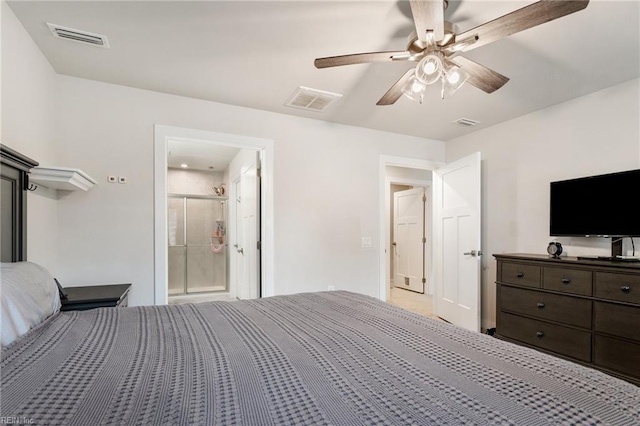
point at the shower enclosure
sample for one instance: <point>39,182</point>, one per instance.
<point>198,252</point>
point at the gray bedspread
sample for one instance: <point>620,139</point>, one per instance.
<point>318,358</point>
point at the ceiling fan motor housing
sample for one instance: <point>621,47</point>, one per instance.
<point>415,45</point>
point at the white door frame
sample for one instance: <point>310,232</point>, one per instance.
<point>383,208</point>
<point>161,135</point>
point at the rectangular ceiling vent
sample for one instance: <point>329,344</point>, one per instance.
<point>78,35</point>
<point>467,122</point>
<point>312,99</point>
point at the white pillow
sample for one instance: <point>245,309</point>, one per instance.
<point>29,296</point>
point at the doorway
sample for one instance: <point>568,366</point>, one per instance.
<point>251,159</point>
<point>455,241</point>
<point>408,246</point>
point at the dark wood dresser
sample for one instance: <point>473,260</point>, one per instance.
<point>584,310</point>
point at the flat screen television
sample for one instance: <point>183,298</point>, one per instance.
<point>596,206</point>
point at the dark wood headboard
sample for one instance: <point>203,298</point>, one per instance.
<point>13,204</point>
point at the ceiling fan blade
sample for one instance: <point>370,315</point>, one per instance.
<point>428,15</point>
<point>361,58</point>
<point>395,92</point>
<point>520,20</point>
<point>480,76</point>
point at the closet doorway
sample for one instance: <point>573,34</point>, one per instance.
<point>408,240</point>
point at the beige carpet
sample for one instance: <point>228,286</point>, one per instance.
<point>415,302</point>
<point>421,304</point>
<point>199,298</point>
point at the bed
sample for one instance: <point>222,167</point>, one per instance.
<point>317,358</point>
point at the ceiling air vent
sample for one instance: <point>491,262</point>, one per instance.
<point>312,99</point>
<point>467,122</point>
<point>78,35</point>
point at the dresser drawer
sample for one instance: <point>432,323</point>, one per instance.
<point>621,287</point>
<point>617,355</point>
<point>618,320</point>
<point>565,309</point>
<point>556,338</point>
<point>566,280</point>
<point>521,274</point>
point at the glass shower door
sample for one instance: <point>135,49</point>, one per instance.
<point>177,246</point>
<point>206,251</point>
<point>197,244</point>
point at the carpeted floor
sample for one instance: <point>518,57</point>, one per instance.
<point>199,298</point>
<point>415,302</point>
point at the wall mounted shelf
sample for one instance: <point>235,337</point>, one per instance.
<point>66,179</point>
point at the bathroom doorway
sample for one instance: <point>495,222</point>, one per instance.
<point>197,226</point>
<point>202,252</point>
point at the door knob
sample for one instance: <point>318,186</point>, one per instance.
<point>241,250</point>
<point>473,253</point>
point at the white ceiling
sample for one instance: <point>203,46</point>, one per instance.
<point>254,54</point>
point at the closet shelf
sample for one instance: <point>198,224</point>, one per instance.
<point>63,178</point>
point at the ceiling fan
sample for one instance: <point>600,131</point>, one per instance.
<point>436,46</point>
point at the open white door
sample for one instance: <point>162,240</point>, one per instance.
<point>456,192</point>
<point>409,243</point>
<point>250,232</point>
<point>240,288</point>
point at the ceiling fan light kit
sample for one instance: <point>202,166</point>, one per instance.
<point>414,89</point>
<point>429,69</point>
<point>436,45</point>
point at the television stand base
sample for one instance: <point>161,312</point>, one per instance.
<point>610,258</point>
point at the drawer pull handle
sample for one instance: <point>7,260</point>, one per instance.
<point>540,305</point>
<point>520,274</point>
<point>539,334</point>
<point>566,280</point>
<point>625,289</point>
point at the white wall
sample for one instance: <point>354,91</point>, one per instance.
<point>28,117</point>
<point>193,182</point>
<point>325,183</point>
<point>595,134</point>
